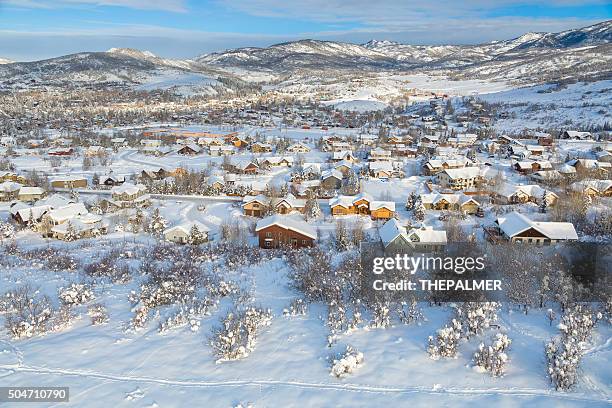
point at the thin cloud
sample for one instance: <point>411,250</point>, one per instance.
<point>175,6</point>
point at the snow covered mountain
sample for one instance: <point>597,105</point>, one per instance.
<point>543,55</point>
<point>116,67</point>
<point>584,53</point>
<point>5,61</point>
<point>303,54</point>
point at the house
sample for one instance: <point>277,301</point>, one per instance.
<point>223,150</point>
<point>427,239</point>
<point>259,147</point>
<point>179,234</point>
<point>288,204</point>
<point>62,214</point>
<point>382,210</point>
<point>339,146</point>
<point>462,140</point>
<point>282,230</point>
<point>298,148</point>
<point>112,180</point>
<point>254,205</point>
<point>343,155</point>
<point>457,179</point>
<point>60,151</point>
<point>238,142</point>
<point>593,187</point>
<point>394,238</point>
<point>9,190</point>
<point>155,174</point>
<point>69,182</point>
<point>216,182</point>
<point>10,176</point>
<point>528,167</point>
<point>189,149</point>
<point>379,154</point>
<point>344,167</point>
<point>24,214</point>
<point>93,151</point>
<point>516,227</point>
<point>518,194</point>
<point>382,170</point>
<point>86,226</point>
<point>345,205</point>
<point>151,143</point>
<point>435,166</point>
<point>129,195</point>
<point>549,177</point>
<point>30,193</point>
<point>454,202</point>
<point>331,180</point>
<point>245,166</point>
<point>276,161</point>
<point>573,134</point>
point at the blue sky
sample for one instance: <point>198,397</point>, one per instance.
<point>36,29</point>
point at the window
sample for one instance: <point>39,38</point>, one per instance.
<point>304,242</point>
<point>268,234</point>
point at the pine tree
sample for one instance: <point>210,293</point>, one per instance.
<point>311,208</point>
<point>419,212</point>
<point>411,202</point>
<point>71,233</point>
<point>196,237</point>
<point>157,223</point>
<point>544,203</point>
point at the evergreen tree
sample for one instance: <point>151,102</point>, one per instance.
<point>543,203</point>
<point>196,237</point>
<point>312,208</point>
<point>157,223</point>
<point>71,233</point>
<point>419,212</point>
<point>412,201</point>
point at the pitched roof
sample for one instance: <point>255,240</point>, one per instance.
<point>288,223</point>
<point>515,223</point>
<point>187,226</point>
<point>390,231</point>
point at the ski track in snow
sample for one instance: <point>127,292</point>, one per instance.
<point>518,392</point>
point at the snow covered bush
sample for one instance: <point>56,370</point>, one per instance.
<point>7,231</point>
<point>98,314</point>
<point>446,341</point>
<point>236,336</point>
<point>140,318</point>
<point>108,267</point>
<point>188,315</point>
<point>63,318</point>
<point>347,362</point>
<point>565,351</point>
<point>492,357</point>
<point>410,312</point>
<point>477,316</point>
<point>76,294</point>
<point>298,307</point>
<point>380,315</point>
<point>28,313</point>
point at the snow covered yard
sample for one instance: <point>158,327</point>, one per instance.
<point>290,364</point>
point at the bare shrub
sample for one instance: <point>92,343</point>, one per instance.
<point>98,314</point>
<point>75,294</point>
<point>28,313</point>
<point>236,336</point>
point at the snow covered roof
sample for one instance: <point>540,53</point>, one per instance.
<point>377,205</point>
<point>260,198</point>
<point>33,213</point>
<point>187,226</point>
<point>598,185</point>
<point>64,213</point>
<point>463,173</point>
<point>331,173</point>
<point>435,198</point>
<point>515,223</point>
<point>288,223</point>
<point>31,191</point>
<point>10,187</point>
<point>381,166</point>
<point>128,188</point>
<point>427,235</point>
<point>390,231</point>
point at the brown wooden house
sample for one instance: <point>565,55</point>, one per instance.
<point>278,231</point>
